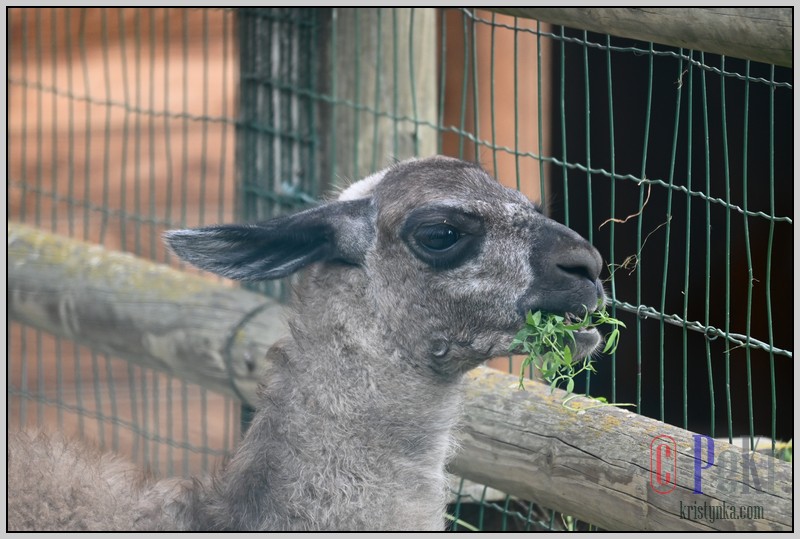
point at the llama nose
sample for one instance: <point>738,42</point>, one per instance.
<point>582,261</point>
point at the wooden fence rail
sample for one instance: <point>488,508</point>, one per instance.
<point>596,463</point>
<point>763,34</point>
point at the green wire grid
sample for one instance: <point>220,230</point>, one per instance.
<point>131,103</point>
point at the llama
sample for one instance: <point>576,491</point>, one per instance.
<point>413,276</point>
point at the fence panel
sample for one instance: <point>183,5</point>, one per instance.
<point>675,163</point>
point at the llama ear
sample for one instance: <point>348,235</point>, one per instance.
<point>340,230</point>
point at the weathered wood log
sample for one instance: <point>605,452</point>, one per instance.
<point>597,463</point>
<point>593,463</point>
<point>189,326</point>
<point>757,33</point>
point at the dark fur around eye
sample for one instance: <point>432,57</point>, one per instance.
<point>442,236</point>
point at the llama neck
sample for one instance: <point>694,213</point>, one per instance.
<point>348,430</point>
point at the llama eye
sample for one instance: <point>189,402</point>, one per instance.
<point>438,237</point>
<point>443,237</point>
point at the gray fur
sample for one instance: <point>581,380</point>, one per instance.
<point>354,425</point>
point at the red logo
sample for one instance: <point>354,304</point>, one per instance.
<point>663,464</point>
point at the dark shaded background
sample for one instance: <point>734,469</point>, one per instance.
<point>629,82</point>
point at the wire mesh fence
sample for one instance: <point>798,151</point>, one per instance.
<point>122,126</point>
<point>676,164</point>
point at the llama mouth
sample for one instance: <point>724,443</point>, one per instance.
<point>586,337</point>
<point>581,323</point>
<point>571,319</point>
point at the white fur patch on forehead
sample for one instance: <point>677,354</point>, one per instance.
<point>363,188</point>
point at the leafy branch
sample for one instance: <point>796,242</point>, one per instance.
<point>546,340</point>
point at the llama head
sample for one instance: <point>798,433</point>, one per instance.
<point>449,260</point>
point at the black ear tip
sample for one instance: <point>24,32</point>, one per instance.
<point>179,241</point>
<point>170,237</point>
